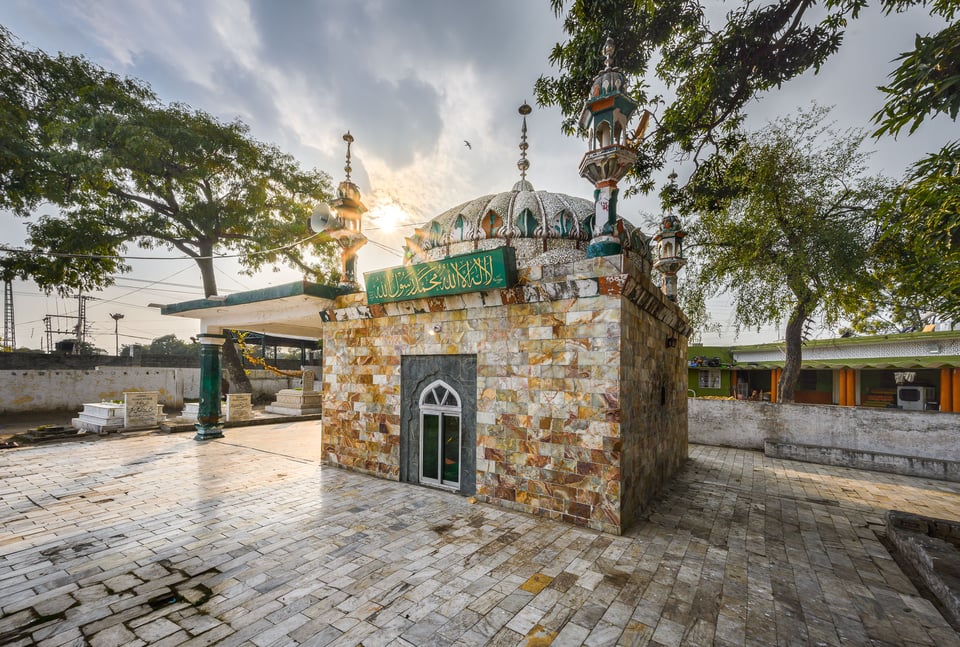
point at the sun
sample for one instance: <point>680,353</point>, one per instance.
<point>388,217</point>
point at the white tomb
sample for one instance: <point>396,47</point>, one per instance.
<point>239,406</point>
<point>100,417</point>
<point>298,402</point>
<point>140,410</point>
<point>190,411</point>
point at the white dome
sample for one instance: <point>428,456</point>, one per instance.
<point>533,222</point>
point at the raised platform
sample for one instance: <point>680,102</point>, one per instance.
<point>296,402</point>
<point>181,425</point>
<point>100,417</point>
<point>932,547</point>
<point>923,467</point>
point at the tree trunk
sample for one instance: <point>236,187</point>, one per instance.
<point>233,364</point>
<point>794,355</point>
<point>205,263</point>
<point>237,380</point>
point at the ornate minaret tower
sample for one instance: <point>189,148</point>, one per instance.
<point>351,211</point>
<point>605,117</point>
<point>669,240</point>
<point>342,219</point>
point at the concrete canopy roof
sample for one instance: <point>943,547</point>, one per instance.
<point>289,310</point>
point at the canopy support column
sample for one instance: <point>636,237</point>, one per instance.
<point>208,424</point>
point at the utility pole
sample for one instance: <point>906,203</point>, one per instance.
<point>116,316</point>
<point>9,326</point>
<point>81,319</point>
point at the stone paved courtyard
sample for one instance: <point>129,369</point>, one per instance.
<point>161,540</point>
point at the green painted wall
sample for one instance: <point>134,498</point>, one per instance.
<point>693,382</point>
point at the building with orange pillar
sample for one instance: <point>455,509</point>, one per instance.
<point>912,371</point>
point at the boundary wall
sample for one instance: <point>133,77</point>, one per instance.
<point>29,391</point>
<point>912,443</point>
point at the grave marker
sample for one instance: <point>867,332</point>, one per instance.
<point>140,409</point>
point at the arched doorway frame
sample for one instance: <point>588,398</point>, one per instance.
<point>441,435</point>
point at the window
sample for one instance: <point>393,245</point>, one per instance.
<point>527,223</point>
<point>709,379</point>
<point>491,224</point>
<point>440,436</point>
<point>460,229</point>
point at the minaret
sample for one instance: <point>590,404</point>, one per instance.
<point>605,117</point>
<point>349,235</point>
<point>670,258</point>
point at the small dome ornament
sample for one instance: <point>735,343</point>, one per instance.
<point>608,50</point>
<point>523,164</point>
<point>347,137</point>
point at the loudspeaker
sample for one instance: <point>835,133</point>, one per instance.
<point>324,218</point>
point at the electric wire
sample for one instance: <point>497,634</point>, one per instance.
<point>106,301</point>
<point>34,251</point>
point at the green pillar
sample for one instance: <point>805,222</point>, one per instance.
<point>208,417</point>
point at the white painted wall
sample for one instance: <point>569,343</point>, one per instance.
<point>58,390</point>
<point>264,383</point>
<point>48,390</point>
<point>740,423</point>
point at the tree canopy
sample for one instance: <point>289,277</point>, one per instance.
<point>713,65</point>
<point>122,168</point>
<point>38,95</point>
<point>798,240</point>
<point>172,345</point>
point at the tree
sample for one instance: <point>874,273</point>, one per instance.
<point>73,347</point>
<point>38,93</point>
<point>715,66</point>
<point>171,345</point>
<point>125,169</point>
<point>798,239</point>
<point>922,220</point>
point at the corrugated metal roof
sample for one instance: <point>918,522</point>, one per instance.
<point>950,361</point>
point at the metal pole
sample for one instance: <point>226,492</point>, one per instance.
<point>116,329</point>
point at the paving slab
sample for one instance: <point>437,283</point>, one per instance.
<point>161,539</point>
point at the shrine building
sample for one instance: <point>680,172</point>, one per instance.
<point>522,354</point>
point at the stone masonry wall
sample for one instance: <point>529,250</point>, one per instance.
<point>548,386</point>
<point>654,408</point>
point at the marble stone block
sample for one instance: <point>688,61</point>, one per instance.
<point>294,402</point>
<point>239,407</point>
<point>190,410</point>
<point>100,417</point>
<point>140,409</point>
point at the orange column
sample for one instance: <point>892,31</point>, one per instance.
<point>842,384</point>
<point>851,388</point>
<point>946,389</point>
<point>774,380</point>
<point>955,384</point>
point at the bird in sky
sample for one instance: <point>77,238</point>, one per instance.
<point>467,144</point>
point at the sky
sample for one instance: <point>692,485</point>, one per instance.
<point>411,80</point>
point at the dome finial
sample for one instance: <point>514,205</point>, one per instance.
<point>608,50</point>
<point>524,164</point>
<point>349,139</point>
